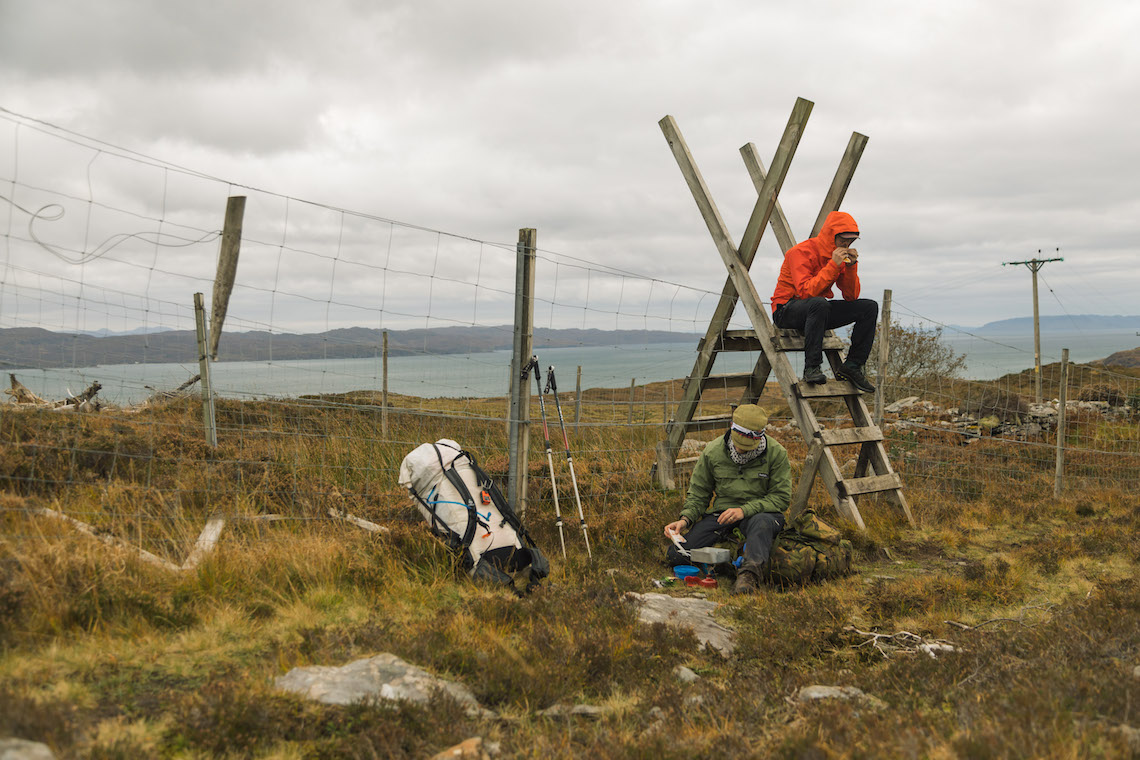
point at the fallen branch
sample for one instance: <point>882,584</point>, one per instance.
<point>902,641</point>
<point>20,393</point>
<point>83,400</point>
<point>357,521</point>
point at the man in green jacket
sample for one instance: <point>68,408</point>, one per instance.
<point>744,481</point>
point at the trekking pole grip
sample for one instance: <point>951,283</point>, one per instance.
<point>551,383</point>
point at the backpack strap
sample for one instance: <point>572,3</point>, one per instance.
<point>509,516</point>
<point>457,482</point>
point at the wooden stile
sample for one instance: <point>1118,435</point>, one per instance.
<point>772,343</point>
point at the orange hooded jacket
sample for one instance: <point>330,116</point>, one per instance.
<point>808,270</point>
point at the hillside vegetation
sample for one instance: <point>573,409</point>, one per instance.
<point>103,655</point>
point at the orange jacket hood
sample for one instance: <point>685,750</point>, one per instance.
<point>836,223</point>
<point>808,270</point>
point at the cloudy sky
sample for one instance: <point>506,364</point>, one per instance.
<point>997,129</point>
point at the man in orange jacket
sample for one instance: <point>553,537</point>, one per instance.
<point>801,300</point>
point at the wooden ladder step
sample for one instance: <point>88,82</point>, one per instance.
<point>785,340</point>
<point>728,380</point>
<point>872,484</point>
<point>846,436</point>
<point>830,389</point>
<point>710,422</point>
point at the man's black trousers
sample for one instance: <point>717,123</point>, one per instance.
<point>815,316</point>
<point>759,531</point>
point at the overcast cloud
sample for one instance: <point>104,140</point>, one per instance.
<point>996,129</point>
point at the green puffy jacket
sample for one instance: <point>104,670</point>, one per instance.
<point>762,485</point>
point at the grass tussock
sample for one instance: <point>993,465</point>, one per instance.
<point>102,654</point>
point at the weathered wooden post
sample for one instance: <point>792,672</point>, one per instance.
<point>227,269</point>
<point>208,418</point>
<point>578,397</point>
<point>1059,478</point>
<point>632,383</point>
<point>523,347</point>
<point>884,354</point>
<point>384,393</point>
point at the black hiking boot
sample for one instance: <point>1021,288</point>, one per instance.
<point>853,374</point>
<point>814,375</point>
<point>747,580</point>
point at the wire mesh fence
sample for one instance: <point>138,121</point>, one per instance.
<point>103,249</point>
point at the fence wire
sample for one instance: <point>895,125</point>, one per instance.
<point>103,249</point>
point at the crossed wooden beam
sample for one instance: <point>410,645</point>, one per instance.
<point>739,286</point>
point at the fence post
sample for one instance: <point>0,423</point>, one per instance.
<point>522,349</point>
<point>632,382</point>
<point>884,352</point>
<point>1059,479</point>
<point>384,393</point>
<point>208,419</point>
<point>578,398</point>
<point>227,269</point>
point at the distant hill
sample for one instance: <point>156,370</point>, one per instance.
<point>36,348</point>
<point>1129,358</point>
<point>1074,323</point>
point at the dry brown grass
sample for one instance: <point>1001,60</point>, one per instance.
<point>102,655</point>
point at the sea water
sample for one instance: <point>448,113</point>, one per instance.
<point>487,374</point>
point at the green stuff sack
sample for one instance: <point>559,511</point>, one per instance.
<point>808,549</point>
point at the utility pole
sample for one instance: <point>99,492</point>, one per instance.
<point>1034,265</point>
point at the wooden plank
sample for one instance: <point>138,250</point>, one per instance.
<point>730,380</point>
<point>848,436</point>
<point>711,422</point>
<point>872,484</point>
<point>834,198</point>
<point>770,188</point>
<point>205,544</point>
<point>759,174</point>
<point>795,342</point>
<point>758,381</point>
<point>807,477</point>
<point>785,340</point>
<point>830,389</point>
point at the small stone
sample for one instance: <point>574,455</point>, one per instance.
<point>384,676</point>
<point>901,404</point>
<point>694,700</point>
<point>1131,737</point>
<point>685,675</point>
<point>690,612</point>
<point>565,712</point>
<point>21,749</point>
<point>817,692</point>
<point>1136,671</point>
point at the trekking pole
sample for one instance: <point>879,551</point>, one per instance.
<point>552,387</point>
<point>549,453</point>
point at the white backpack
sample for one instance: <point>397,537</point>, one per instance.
<point>464,507</point>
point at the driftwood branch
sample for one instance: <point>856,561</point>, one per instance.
<point>84,397</point>
<point>902,641</point>
<point>20,393</point>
